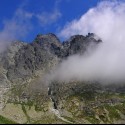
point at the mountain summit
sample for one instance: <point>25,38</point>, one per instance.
<point>22,60</point>
<point>25,91</point>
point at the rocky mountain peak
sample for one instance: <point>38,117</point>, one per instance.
<point>79,43</point>
<point>24,90</point>
<point>22,60</point>
<point>93,36</point>
<point>47,39</point>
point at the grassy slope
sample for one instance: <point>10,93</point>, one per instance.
<point>103,113</point>
<point>4,120</point>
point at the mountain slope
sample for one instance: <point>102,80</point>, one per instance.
<point>25,91</point>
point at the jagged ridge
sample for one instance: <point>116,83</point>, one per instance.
<point>23,65</point>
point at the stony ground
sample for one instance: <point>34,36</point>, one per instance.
<point>71,104</point>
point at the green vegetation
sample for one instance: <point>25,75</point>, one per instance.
<point>69,119</point>
<point>86,96</point>
<point>93,120</point>
<point>113,113</point>
<point>44,121</point>
<point>94,106</point>
<point>25,112</point>
<point>49,120</point>
<point>120,107</point>
<point>4,120</point>
<point>38,108</point>
<point>103,118</point>
<point>107,108</point>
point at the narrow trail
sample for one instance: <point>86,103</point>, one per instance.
<point>57,113</point>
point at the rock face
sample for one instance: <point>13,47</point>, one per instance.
<point>22,60</point>
<point>79,44</point>
<point>22,69</point>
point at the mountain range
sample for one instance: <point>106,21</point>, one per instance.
<point>27,97</point>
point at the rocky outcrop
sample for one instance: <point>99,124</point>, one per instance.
<point>79,44</point>
<point>22,60</point>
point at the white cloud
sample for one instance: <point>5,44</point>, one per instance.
<point>103,17</point>
<point>107,20</point>
<point>15,28</point>
<point>47,18</point>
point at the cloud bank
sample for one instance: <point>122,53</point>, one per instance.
<point>107,20</point>
<point>15,28</point>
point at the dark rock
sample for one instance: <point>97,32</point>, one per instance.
<point>22,60</point>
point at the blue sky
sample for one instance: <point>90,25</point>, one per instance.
<point>24,19</point>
